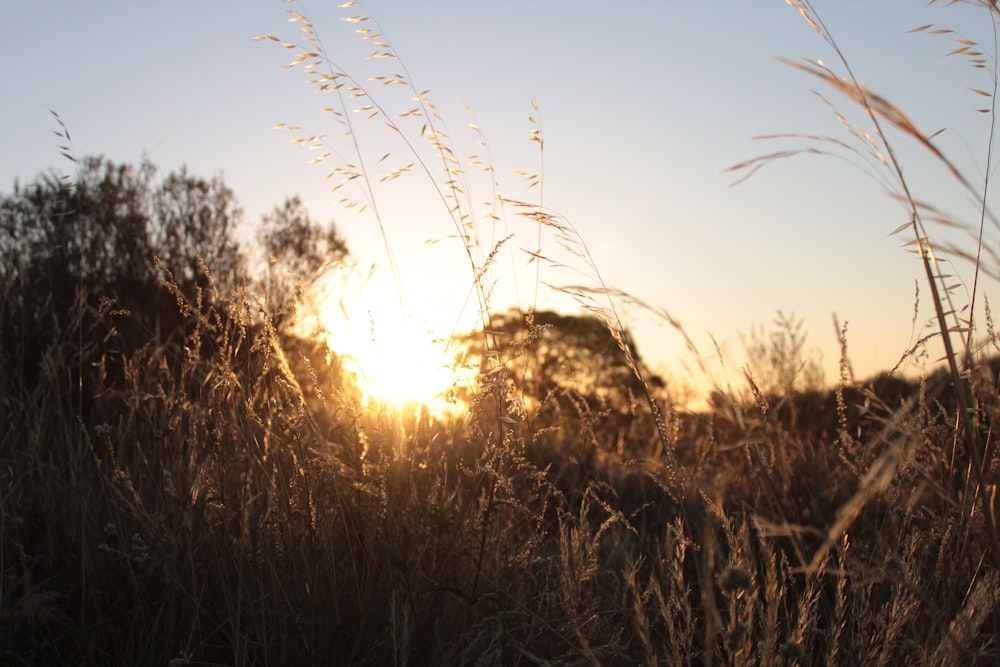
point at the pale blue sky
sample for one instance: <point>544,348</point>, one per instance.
<point>643,105</point>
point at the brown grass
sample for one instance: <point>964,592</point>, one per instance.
<point>220,495</point>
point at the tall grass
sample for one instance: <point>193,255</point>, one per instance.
<point>876,148</point>
<point>221,494</point>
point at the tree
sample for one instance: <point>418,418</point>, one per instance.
<point>77,249</point>
<point>549,352</point>
<point>297,248</point>
<point>102,232</point>
<point>193,221</point>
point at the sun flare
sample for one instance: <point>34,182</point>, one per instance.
<point>396,358</point>
<point>399,364</point>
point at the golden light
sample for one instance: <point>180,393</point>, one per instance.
<point>397,358</point>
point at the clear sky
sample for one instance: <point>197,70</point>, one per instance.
<point>643,104</point>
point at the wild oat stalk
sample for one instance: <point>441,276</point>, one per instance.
<point>598,298</point>
<point>418,128</point>
<point>878,148</point>
<point>452,188</point>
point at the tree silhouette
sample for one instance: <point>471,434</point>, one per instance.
<point>109,253</point>
<point>548,352</point>
<point>103,231</point>
<point>193,221</point>
<point>297,248</point>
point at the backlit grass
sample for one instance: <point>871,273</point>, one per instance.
<point>186,478</point>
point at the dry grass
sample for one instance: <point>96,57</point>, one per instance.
<point>208,509</point>
<point>216,493</point>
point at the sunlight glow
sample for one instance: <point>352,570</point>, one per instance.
<point>397,359</point>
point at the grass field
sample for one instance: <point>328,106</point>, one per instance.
<point>187,479</point>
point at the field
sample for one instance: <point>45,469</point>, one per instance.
<point>189,476</point>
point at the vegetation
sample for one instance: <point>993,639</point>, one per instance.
<point>185,481</point>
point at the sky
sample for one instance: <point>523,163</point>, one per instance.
<point>643,105</point>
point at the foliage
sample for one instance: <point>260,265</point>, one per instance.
<point>102,234</point>
<point>298,248</point>
<point>548,352</point>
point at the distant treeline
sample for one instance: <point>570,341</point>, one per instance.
<point>116,239</point>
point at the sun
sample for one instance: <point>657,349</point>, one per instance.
<point>400,363</point>
<point>397,358</point>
